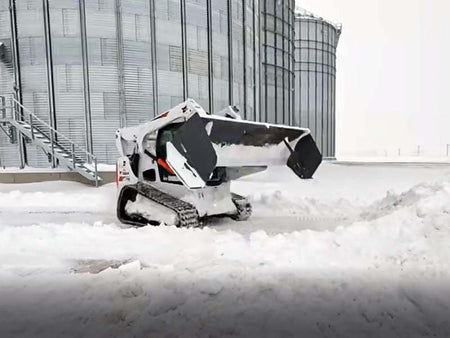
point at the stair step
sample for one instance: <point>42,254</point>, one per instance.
<point>65,156</point>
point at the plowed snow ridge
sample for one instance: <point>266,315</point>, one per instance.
<point>377,262</point>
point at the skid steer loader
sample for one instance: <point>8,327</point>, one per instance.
<point>177,168</point>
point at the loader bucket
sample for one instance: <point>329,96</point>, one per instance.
<point>240,143</point>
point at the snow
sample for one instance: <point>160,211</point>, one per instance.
<point>422,159</point>
<point>17,170</point>
<point>358,251</point>
<point>13,170</point>
<point>244,155</point>
<point>158,213</point>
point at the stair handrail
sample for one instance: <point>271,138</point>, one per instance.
<point>16,115</point>
<point>3,107</point>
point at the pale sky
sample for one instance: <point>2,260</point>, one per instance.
<point>393,86</point>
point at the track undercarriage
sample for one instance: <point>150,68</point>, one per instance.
<point>167,209</point>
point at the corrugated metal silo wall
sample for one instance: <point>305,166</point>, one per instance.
<point>225,41</point>
<point>277,61</point>
<point>33,67</point>
<point>101,64</point>
<point>66,54</point>
<point>221,83</point>
<point>169,53</point>
<point>8,151</point>
<point>120,69</point>
<point>315,88</point>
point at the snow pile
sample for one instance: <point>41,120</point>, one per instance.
<point>385,232</point>
<point>381,271</point>
<point>244,155</point>
<point>56,197</point>
<point>278,203</point>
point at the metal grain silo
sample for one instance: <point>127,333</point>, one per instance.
<point>88,67</point>
<point>277,75</point>
<point>315,78</point>
<point>9,151</point>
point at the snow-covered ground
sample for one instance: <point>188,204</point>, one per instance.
<point>17,170</point>
<point>361,250</point>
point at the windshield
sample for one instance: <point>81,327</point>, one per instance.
<point>166,135</point>
<point>150,143</point>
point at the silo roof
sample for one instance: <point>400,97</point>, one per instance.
<point>302,13</point>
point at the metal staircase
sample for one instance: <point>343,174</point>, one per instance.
<point>58,147</point>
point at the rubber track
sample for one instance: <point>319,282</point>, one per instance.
<point>186,212</point>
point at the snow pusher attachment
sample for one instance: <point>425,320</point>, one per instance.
<point>243,143</point>
<point>177,168</point>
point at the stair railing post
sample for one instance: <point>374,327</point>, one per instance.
<point>3,105</point>
<point>31,127</point>
<point>17,111</point>
<point>52,139</point>
<point>14,109</point>
<point>73,155</point>
<point>96,172</point>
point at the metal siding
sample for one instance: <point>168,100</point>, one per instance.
<point>138,83</point>
<point>249,67</point>
<point>220,53</point>
<point>277,58</point>
<point>238,55</point>
<point>103,77</point>
<point>315,69</point>
<point>257,60</point>
<point>68,72</point>
<point>168,52</point>
<point>9,151</point>
<point>30,26</point>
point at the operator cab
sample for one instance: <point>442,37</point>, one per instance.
<point>155,146</point>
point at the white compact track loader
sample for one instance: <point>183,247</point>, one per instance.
<point>177,168</point>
